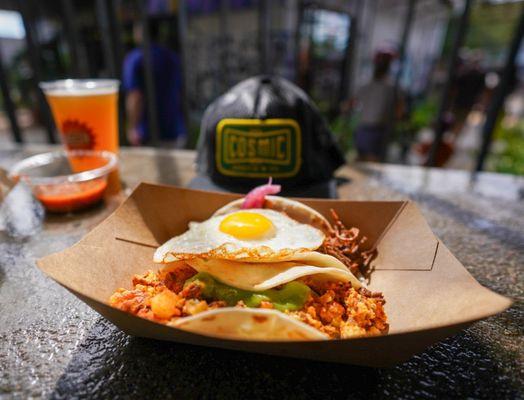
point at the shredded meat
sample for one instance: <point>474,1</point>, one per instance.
<point>341,311</point>
<point>170,279</point>
<point>175,275</point>
<point>345,244</point>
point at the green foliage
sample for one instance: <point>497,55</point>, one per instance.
<point>343,127</point>
<point>490,28</point>
<point>510,157</point>
<point>423,114</point>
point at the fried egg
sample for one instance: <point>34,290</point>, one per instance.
<point>261,235</point>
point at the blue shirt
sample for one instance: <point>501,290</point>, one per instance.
<point>167,79</point>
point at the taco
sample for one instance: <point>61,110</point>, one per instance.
<point>261,268</point>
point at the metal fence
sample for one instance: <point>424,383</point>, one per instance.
<point>208,70</point>
<point>230,58</point>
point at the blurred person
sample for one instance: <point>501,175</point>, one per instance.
<point>377,108</point>
<point>468,88</point>
<point>168,83</point>
<point>468,85</point>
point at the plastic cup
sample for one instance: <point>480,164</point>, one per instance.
<point>86,115</point>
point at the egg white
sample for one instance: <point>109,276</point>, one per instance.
<point>205,239</point>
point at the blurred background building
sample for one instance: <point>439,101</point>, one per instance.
<point>455,72</point>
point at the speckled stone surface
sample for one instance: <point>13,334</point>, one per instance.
<point>53,345</point>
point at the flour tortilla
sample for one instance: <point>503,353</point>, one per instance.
<point>256,323</point>
<point>248,324</point>
<point>257,276</point>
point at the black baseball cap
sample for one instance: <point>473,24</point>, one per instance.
<point>263,127</point>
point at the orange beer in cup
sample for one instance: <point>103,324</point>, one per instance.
<point>86,115</point>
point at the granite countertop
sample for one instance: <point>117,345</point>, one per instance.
<point>53,345</point>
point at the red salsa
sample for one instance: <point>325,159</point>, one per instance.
<point>71,196</point>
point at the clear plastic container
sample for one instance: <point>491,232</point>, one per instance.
<point>66,181</point>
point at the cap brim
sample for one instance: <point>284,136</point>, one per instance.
<point>324,190</point>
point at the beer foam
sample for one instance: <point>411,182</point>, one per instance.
<point>70,87</point>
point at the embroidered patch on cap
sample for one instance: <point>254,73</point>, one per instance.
<point>255,148</point>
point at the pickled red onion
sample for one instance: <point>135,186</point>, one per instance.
<point>256,197</point>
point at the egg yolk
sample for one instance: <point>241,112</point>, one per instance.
<point>246,225</point>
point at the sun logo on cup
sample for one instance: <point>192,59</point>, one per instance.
<point>77,135</point>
